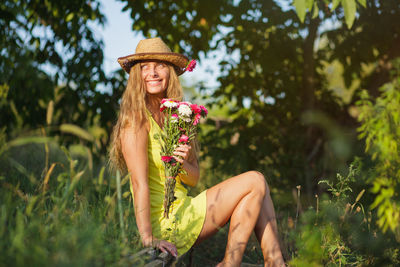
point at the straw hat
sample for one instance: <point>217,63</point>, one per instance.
<point>154,49</point>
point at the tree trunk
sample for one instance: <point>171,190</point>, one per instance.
<point>308,97</point>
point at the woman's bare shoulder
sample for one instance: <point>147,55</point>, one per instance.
<point>138,133</point>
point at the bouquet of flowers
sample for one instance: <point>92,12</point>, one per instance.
<point>180,127</point>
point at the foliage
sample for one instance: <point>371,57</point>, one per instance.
<point>349,8</point>
<point>50,57</point>
<point>342,184</point>
<point>68,217</point>
<point>272,74</point>
<point>341,231</point>
<point>274,69</point>
<point>380,127</point>
<point>276,109</point>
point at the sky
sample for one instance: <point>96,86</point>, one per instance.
<point>120,40</point>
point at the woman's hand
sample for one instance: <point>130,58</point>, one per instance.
<point>182,153</point>
<point>165,246</point>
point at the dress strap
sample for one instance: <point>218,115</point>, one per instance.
<point>148,112</point>
<point>150,118</point>
<point>153,121</point>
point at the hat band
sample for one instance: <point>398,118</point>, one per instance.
<point>127,65</point>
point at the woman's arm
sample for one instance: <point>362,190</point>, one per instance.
<point>186,157</point>
<point>134,149</point>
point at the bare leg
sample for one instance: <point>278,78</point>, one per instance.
<point>267,233</point>
<point>239,199</point>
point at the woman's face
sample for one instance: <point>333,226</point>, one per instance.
<point>155,75</point>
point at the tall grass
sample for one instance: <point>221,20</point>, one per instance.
<point>64,214</point>
<point>341,229</point>
<point>60,207</point>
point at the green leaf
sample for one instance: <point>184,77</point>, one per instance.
<point>335,4</point>
<point>23,141</point>
<point>301,8</point>
<point>360,195</point>
<point>27,140</point>
<point>349,8</point>
<point>101,176</point>
<point>69,17</point>
<point>76,130</point>
<point>363,3</point>
<point>315,10</point>
<point>50,111</point>
<point>309,4</point>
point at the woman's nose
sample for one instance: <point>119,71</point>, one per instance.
<point>153,71</point>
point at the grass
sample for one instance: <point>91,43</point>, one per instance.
<point>60,207</point>
<point>62,215</point>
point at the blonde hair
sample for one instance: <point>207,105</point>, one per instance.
<point>133,111</point>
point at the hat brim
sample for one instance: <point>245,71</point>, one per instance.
<point>179,61</point>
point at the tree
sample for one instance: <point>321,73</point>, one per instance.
<point>49,53</point>
<point>380,127</point>
<point>284,116</point>
<point>349,8</point>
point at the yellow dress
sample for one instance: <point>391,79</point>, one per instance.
<point>187,214</point>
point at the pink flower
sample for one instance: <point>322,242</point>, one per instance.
<point>183,139</point>
<point>174,118</point>
<point>191,65</point>
<point>196,108</point>
<point>167,100</point>
<point>185,103</point>
<point>204,111</point>
<point>167,158</point>
<point>196,119</point>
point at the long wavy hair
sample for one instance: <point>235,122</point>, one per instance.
<point>132,112</point>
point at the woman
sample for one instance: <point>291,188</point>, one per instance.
<point>243,199</point>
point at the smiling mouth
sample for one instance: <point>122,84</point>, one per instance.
<point>154,82</point>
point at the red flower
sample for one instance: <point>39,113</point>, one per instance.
<point>204,111</point>
<point>167,158</point>
<point>196,119</point>
<point>196,108</point>
<point>183,139</point>
<point>191,65</point>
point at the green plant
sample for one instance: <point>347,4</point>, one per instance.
<point>380,128</point>
<point>342,231</point>
<point>68,216</point>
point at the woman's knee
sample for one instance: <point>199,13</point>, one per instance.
<point>258,182</point>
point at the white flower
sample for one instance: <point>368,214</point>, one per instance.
<point>186,119</point>
<point>174,119</point>
<point>170,104</point>
<point>184,110</point>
